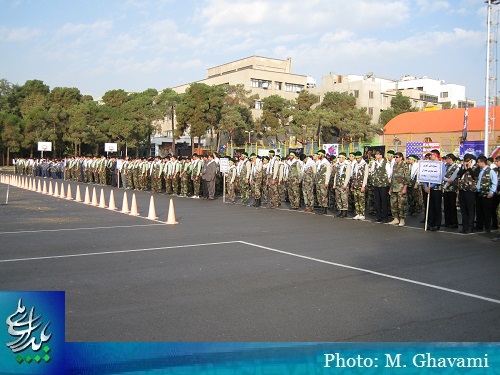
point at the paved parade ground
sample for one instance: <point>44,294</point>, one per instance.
<point>235,273</point>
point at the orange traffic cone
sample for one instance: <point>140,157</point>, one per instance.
<point>133,209</point>
<point>78,197</point>
<point>171,213</point>
<point>112,205</point>
<point>152,210</point>
<point>125,209</point>
<point>102,201</point>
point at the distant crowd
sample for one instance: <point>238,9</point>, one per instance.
<point>352,185</point>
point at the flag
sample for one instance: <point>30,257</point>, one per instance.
<point>415,148</point>
<point>466,120</point>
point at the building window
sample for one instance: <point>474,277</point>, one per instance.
<point>356,94</point>
<point>259,104</point>
<point>278,86</point>
<point>370,94</point>
<point>444,94</point>
<point>370,111</point>
<point>292,87</point>
<point>260,83</point>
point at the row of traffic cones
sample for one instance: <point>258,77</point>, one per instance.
<point>31,184</point>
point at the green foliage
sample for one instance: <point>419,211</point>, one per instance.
<point>275,116</point>
<point>399,104</point>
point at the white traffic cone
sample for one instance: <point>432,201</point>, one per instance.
<point>56,190</point>
<point>62,195</point>
<point>133,209</point>
<point>51,192</point>
<point>94,197</point>
<point>171,213</point>
<point>102,200</point>
<point>112,205</point>
<point>152,210</point>
<point>78,197</point>
<point>69,195</point>
<point>125,209</point>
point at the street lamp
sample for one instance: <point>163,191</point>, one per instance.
<point>249,133</point>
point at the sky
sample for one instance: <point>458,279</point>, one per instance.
<point>101,45</point>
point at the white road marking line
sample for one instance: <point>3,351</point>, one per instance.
<point>375,273</point>
<point>115,252</point>
<point>84,228</point>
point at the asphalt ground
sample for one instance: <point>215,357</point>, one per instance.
<point>236,273</point>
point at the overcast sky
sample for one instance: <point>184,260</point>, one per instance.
<point>100,45</point>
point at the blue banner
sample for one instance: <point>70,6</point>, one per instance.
<point>475,148</point>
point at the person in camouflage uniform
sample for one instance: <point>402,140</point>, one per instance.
<point>331,192</point>
<point>308,178</point>
<point>359,180</point>
<point>264,186</point>
<point>167,174</point>
<point>256,179</point>
<point>244,175</point>
<point>185,176</point>
<point>176,175</point>
<point>497,170</point>
<point>398,188</point>
<point>450,189</point>
<point>195,175</point>
<point>341,185</point>
<point>230,179</point>
<point>294,178</point>
<point>487,183</point>
<point>322,180</point>
<point>156,172</point>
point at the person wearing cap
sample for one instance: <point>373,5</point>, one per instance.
<point>397,190</point>
<point>359,181</point>
<point>244,175</point>
<point>450,189</point>
<point>390,157</point>
<point>414,192</point>
<point>467,180</point>
<point>256,179</point>
<point>322,179</point>
<point>293,180</point>
<point>486,188</point>
<point>273,178</point>
<point>308,177</point>
<point>208,177</point>
<point>341,185</point>
<point>195,175</point>
<point>435,191</point>
<point>381,172</point>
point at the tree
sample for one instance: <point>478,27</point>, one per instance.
<point>303,124</point>
<point>399,104</point>
<point>167,102</point>
<point>200,110</point>
<point>11,137</point>
<point>275,116</point>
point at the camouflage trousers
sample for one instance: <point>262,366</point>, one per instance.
<point>398,205</point>
<point>308,194</point>
<point>130,180</point>
<point>196,186</point>
<point>231,194</point>
<point>322,194</point>
<point>415,200</point>
<point>156,184</point>
<point>293,188</point>
<point>264,196</point>
<point>143,181</point>
<point>244,191</point>
<point>359,202</point>
<point>274,194</point>
<point>370,200</point>
<point>256,185</point>
<point>175,185</point>
<point>185,184</point>
<point>168,185</point>
<point>342,198</point>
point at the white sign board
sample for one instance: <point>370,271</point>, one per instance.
<point>430,171</point>
<point>44,146</point>
<point>224,165</point>
<point>110,147</point>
